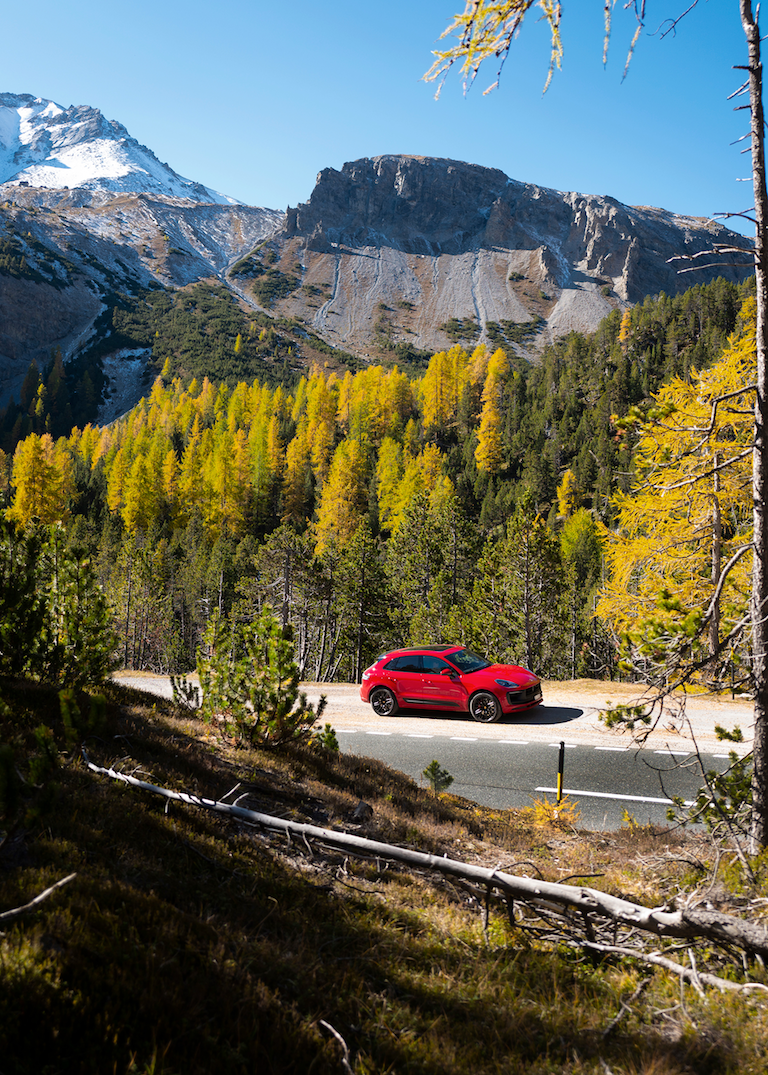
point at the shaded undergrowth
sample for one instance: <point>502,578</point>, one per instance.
<point>191,943</point>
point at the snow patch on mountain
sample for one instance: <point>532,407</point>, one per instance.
<point>43,144</point>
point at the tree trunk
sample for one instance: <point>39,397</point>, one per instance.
<point>759,608</point>
<point>128,609</point>
<point>717,563</point>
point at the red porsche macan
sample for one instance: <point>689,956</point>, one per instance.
<point>448,677</point>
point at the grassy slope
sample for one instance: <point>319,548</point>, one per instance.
<point>189,943</point>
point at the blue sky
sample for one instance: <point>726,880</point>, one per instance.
<point>254,98</point>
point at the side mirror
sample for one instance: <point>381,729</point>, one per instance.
<point>447,672</point>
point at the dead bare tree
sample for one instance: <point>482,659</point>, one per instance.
<point>571,914</point>
<point>486,32</point>
<point>759,603</point>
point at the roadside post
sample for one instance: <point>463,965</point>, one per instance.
<point>560,768</point>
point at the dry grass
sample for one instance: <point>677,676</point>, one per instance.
<point>191,943</point>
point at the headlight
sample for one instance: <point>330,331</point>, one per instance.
<point>506,683</point>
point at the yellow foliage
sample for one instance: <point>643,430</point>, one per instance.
<point>545,813</point>
<point>42,479</point>
<point>389,473</point>
<point>690,510</point>
<point>422,473</point>
<point>440,387</point>
<point>486,29</point>
<point>489,454</point>
<point>344,498</point>
<point>569,495</point>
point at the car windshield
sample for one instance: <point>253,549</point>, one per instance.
<point>467,661</point>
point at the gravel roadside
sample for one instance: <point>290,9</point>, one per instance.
<point>571,710</point>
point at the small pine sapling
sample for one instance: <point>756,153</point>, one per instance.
<point>250,682</point>
<point>439,779</point>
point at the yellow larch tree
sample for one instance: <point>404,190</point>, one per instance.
<point>297,477</point>
<point>170,480</point>
<point>258,443</point>
<point>118,469</point>
<point>189,478</point>
<point>344,497</point>
<point>398,401</point>
<point>440,387</point>
<point>364,410</point>
<point>679,560</point>
<point>422,474</point>
<point>322,403</point>
<point>344,403</point>
<point>299,404</point>
<point>569,495</point>
<point>389,473</point>
<point>489,454</point>
<point>139,500</point>
<point>86,443</point>
<point>42,480</point>
<point>226,475</point>
<point>205,402</point>
<point>275,449</point>
<point>238,407</point>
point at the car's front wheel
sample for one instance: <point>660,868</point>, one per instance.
<point>484,707</point>
<point>383,702</point>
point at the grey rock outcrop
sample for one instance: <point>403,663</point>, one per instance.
<point>442,239</point>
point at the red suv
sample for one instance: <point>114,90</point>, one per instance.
<point>448,677</point>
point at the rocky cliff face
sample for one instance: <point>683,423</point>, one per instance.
<point>399,245</point>
<point>81,246</point>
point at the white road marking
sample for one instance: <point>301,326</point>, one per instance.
<point>568,746</point>
<point>610,795</point>
<point>515,742</point>
<point>378,733</point>
<point>675,753</point>
<point>464,738</point>
<point>620,749</point>
<point>418,735</point>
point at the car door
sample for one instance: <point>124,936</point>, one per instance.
<point>442,683</point>
<point>406,678</point>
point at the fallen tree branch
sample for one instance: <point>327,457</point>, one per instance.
<point>5,916</point>
<point>687,923</point>
<point>345,1050</point>
<point>624,1008</point>
<point>689,974</point>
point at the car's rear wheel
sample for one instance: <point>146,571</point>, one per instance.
<point>383,702</point>
<point>484,707</point>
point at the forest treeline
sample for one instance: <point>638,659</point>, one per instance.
<point>369,508</point>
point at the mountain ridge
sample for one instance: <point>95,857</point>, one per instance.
<point>499,248</point>
<point>43,144</point>
<point>391,256</point>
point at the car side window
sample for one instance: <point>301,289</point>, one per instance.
<point>433,664</point>
<point>407,663</point>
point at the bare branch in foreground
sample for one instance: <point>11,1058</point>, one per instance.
<point>16,911</point>
<point>345,1058</point>
<point>689,974</point>
<point>687,923</point>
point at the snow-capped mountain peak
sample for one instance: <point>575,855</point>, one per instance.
<point>43,144</point>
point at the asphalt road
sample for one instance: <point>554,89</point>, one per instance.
<point>516,761</point>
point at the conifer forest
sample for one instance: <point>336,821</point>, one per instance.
<point>537,511</point>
